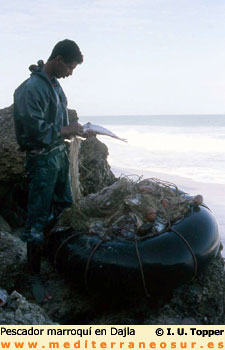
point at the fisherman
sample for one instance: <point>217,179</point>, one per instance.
<point>41,125</point>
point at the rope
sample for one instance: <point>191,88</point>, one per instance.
<point>62,244</point>
<point>90,257</point>
<point>141,268</point>
<point>129,177</point>
<point>51,233</point>
<point>190,249</point>
<point>89,260</point>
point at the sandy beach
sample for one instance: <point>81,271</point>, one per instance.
<point>214,194</point>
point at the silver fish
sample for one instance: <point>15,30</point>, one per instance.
<point>3,297</point>
<point>100,131</point>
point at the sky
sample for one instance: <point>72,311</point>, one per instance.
<point>141,57</point>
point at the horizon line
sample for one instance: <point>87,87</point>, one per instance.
<point>151,115</point>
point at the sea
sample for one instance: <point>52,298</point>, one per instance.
<point>190,146</point>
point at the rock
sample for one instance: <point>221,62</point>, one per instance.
<point>3,297</point>
<point>69,305</point>
<point>11,159</point>
<point>12,260</point>
<point>11,171</point>
<point>72,114</point>
<point>95,173</point>
<point>18,311</point>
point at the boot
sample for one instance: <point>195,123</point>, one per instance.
<point>34,258</point>
<point>34,268</point>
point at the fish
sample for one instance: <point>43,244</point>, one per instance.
<point>3,297</point>
<point>99,130</point>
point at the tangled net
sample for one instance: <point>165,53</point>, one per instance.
<point>129,208</point>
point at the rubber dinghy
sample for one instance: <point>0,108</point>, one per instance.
<point>146,255</point>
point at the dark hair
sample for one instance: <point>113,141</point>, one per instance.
<point>69,51</point>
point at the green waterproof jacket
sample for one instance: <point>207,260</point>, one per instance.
<point>40,111</point>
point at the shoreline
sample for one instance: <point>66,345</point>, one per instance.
<point>214,194</point>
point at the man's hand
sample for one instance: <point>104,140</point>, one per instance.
<point>73,129</point>
<point>88,133</point>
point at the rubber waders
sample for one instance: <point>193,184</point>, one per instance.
<point>34,253</point>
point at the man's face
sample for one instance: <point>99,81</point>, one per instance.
<point>63,70</point>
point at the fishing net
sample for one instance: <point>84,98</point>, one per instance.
<point>129,207</point>
<point>74,167</point>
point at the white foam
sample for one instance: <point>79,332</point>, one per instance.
<point>196,153</point>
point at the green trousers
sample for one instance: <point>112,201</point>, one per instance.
<point>49,191</point>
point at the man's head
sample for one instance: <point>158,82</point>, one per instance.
<point>64,58</point>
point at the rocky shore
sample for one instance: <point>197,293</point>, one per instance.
<point>198,302</point>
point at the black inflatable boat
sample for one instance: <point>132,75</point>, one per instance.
<point>142,264</point>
